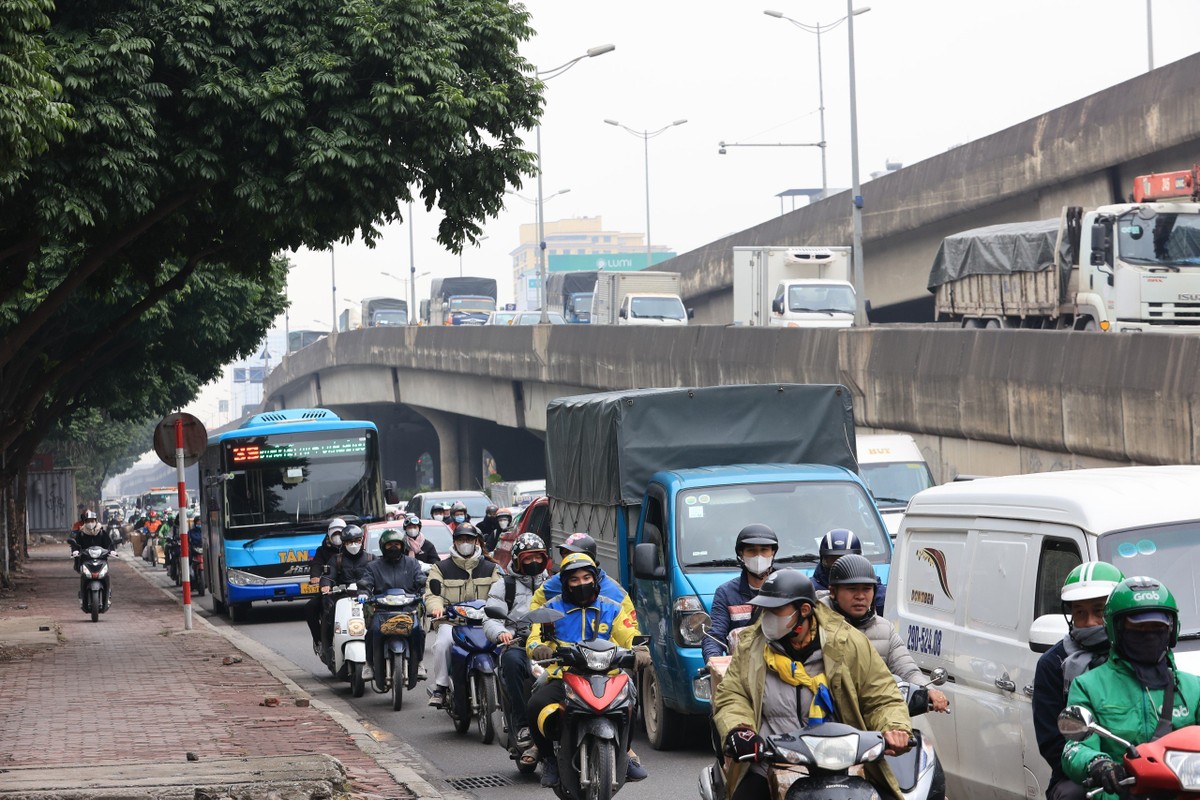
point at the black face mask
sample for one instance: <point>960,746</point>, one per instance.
<point>532,567</point>
<point>393,553</point>
<point>583,594</point>
<point>1144,647</point>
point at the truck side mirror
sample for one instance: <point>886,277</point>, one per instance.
<point>623,314</point>
<point>777,305</point>
<point>1101,247</point>
<point>645,562</point>
<point>691,312</point>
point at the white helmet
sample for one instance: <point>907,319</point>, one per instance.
<point>336,524</point>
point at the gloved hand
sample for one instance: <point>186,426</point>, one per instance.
<point>1106,773</point>
<point>74,554</point>
<point>743,744</point>
<point>543,652</point>
<point>641,654</point>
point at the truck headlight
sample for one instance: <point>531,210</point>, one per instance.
<point>690,620</point>
<point>1186,767</point>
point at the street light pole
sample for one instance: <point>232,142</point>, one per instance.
<point>546,75</point>
<point>860,311</point>
<point>332,289</point>
<point>646,136</point>
<point>412,272</point>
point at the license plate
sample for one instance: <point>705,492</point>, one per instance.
<point>310,588</point>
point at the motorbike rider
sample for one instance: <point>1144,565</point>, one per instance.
<point>419,547</point>
<point>581,543</point>
<point>798,665</point>
<point>835,544</point>
<point>466,575</point>
<point>316,568</point>
<point>1138,694</point>
<point>588,615</point>
<point>852,594</point>
<point>1084,594</point>
<point>458,515</point>
<point>512,595</point>
<point>90,534</point>
<point>489,527</point>
<point>150,531</point>
<point>439,512</point>
<point>346,566</point>
<point>396,570</point>
<point>755,548</point>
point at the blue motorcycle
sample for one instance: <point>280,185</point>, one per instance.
<point>399,639</point>
<point>472,670</point>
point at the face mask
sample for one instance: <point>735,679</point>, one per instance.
<point>412,533</point>
<point>502,524</point>
<point>336,540</point>
<point>1145,647</point>
<point>466,549</point>
<point>459,518</point>
<point>776,628</point>
<point>392,553</point>
<point>439,517</point>
<point>757,565</point>
<point>1093,637</point>
<point>91,527</point>
<point>583,594</point>
<point>532,567</point>
<point>353,548</point>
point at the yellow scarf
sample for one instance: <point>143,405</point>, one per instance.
<point>793,673</point>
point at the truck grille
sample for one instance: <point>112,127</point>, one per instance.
<point>1174,313</point>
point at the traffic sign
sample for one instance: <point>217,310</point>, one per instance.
<point>195,439</point>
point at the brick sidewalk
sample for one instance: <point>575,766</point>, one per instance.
<point>116,690</point>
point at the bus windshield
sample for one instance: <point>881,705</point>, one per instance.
<point>800,512</point>
<point>284,480</point>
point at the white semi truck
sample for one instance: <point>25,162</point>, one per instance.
<point>638,298</point>
<point>793,287</point>
<point>1123,267</point>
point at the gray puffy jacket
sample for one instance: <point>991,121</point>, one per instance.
<point>882,635</point>
<point>523,588</point>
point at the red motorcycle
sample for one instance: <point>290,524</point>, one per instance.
<point>1166,767</point>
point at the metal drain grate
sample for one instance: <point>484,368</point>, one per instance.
<point>479,782</point>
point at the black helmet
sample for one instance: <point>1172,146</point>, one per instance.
<point>438,507</point>
<point>756,533</point>
<point>352,533</point>
<point>840,542</point>
<point>467,529</point>
<point>852,569</point>
<point>459,505</point>
<point>785,586</point>
<point>578,543</point>
<point>490,510</point>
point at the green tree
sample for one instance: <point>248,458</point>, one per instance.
<point>99,447</point>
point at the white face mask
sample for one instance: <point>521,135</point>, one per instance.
<point>776,628</point>
<point>502,524</point>
<point>466,549</point>
<point>354,548</point>
<point>336,540</point>
<point>757,565</point>
<point>412,533</point>
<point>91,527</point>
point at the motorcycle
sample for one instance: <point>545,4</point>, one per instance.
<point>596,719</point>
<point>472,689</point>
<point>114,533</point>
<point>349,654</point>
<point>172,551</point>
<point>94,581</point>
<point>502,715</point>
<point>401,612</point>
<point>196,562</point>
<point>1164,768</point>
<point>918,771</point>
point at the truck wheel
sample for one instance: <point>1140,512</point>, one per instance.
<point>1089,324</point>
<point>992,324</point>
<point>664,726</point>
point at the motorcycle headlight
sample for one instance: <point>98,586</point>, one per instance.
<point>468,612</point>
<point>599,661</point>
<point>239,578</point>
<point>103,571</point>
<point>833,752</point>
<point>690,621</point>
<point>1186,767</point>
<point>95,552</point>
<point>356,627</point>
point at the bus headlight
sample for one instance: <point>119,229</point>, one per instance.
<point>239,578</point>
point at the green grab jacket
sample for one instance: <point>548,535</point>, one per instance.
<point>1120,703</point>
<point>863,690</point>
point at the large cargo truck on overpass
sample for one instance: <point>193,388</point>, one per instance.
<point>571,293</point>
<point>793,287</point>
<point>1123,267</point>
<point>666,481</point>
<point>638,298</point>
<point>380,312</point>
<point>459,301</point>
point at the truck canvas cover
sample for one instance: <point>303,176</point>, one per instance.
<point>463,287</point>
<point>602,448</point>
<point>571,282</point>
<point>1001,250</point>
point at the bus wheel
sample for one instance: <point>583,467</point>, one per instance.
<point>218,605</point>
<point>239,612</point>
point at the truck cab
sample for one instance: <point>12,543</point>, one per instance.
<point>652,309</point>
<point>468,310</point>
<point>813,303</point>
<point>578,308</point>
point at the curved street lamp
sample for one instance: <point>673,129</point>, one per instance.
<point>646,136</point>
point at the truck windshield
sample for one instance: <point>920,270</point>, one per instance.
<point>657,308</point>
<point>827,299</point>
<point>1167,552</point>
<point>391,317</point>
<point>893,484</point>
<point>581,303</point>
<point>1167,240</point>
<point>800,512</point>
<point>483,304</point>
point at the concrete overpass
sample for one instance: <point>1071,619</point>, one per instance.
<point>979,402</point>
<point>1085,153</point>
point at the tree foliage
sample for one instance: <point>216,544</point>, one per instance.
<point>136,255</point>
<point>99,447</point>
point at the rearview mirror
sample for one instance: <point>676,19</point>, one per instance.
<point>623,314</point>
<point>645,562</point>
<point>1047,631</point>
<point>691,312</point>
<point>777,305</point>
<point>491,612</point>
<point>937,677</point>
<point>1075,723</point>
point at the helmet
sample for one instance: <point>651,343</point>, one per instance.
<point>458,506</point>
<point>490,510</point>
<point>785,586</point>
<point>336,524</point>
<point>1143,599</point>
<point>755,533</point>
<point>578,543</point>
<point>505,514</point>
<point>852,569</point>
<point>840,542</point>
<point>467,529</point>
<point>153,514</point>
<point>411,520</point>
<point>528,543</point>
<point>1091,580</point>
<point>438,508</point>
<point>352,533</point>
<point>389,536</point>
<point>577,561</point>
<point>88,516</point>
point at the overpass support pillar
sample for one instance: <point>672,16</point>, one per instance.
<point>460,454</point>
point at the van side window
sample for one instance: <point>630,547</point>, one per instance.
<point>1058,558</point>
<point>652,530</point>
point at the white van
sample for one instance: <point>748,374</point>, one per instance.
<point>894,469</point>
<point>974,587</point>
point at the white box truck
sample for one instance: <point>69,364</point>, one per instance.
<point>793,287</point>
<point>894,469</point>
<point>638,298</point>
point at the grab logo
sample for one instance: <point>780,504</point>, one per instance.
<point>1145,596</point>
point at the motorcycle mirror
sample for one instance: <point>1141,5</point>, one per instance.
<point>937,677</point>
<point>543,615</point>
<point>638,641</point>
<point>1076,723</point>
<point>491,612</point>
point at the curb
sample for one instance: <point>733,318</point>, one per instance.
<point>394,758</point>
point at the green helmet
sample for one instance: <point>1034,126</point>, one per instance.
<point>1137,597</point>
<point>391,535</point>
<point>1090,580</point>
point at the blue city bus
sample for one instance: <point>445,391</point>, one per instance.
<point>269,489</point>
